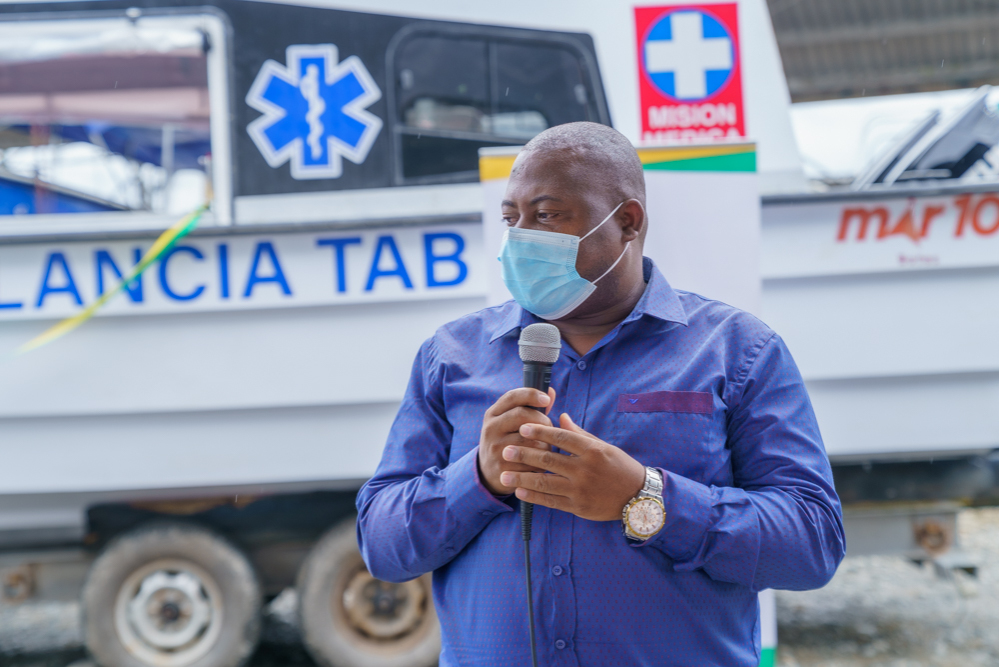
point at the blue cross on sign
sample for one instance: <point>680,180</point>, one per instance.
<point>314,111</point>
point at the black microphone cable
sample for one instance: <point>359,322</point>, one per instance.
<point>540,345</point>
<point>526,517</point>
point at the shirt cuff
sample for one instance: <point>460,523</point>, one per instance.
<point>466,494</point>
<point>688,517</point>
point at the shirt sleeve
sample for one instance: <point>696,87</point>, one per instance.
<point>418,511</point>
<point>780,525</point>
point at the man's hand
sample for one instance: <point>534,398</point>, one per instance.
<point>501,428</point>
<point>594,481</point>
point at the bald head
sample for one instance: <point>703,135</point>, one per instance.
<point>597,154</point>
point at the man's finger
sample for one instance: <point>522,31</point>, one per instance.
<point>514,440</point>
<point>555,502</point>
<point>537,481</point>
<point>511,421</point>
<point>574,442</point>
<point>517,397</point>
<point>544,459</point>
<point>565,421</point>
<point>521,467</point>
<point>552,395</point>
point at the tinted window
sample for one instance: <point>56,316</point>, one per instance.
<point>547,81</point>
<point>444,84</point>
<point>458,94</point>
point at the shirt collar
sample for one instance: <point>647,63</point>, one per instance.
<point>659,301</point>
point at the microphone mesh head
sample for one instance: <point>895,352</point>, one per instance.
<point>540,343</point>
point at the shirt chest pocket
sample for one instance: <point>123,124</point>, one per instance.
<point>681,431</point>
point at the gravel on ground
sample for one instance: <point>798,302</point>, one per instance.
<point>881,611</point>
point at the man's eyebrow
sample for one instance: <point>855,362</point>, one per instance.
<point>536,200</point>
<point>544,198</point>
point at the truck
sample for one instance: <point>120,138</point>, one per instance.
<point>196,448</point>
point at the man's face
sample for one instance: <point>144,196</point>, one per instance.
<point>553,193</point>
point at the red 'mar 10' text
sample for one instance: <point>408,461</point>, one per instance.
<point>963,216</point>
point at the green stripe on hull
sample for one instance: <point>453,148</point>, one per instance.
<point>768,657</point>
<point>734,162</point>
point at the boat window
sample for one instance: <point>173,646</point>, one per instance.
<point>105,115</point>
<point>456,94</point>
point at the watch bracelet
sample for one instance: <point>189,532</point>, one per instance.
<point>653,483</point>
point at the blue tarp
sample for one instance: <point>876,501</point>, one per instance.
<point>23,198</point>
<point>140,143</point>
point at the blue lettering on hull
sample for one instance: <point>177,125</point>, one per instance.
<point>69,285</point>
<point>165,283</point>
<point>295,268</point>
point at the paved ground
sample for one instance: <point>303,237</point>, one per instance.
<point>885,612</point>
<point>877,612</point>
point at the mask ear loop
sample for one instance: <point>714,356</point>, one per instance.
<point>626,245</point>
<point>602,222</point>
<point>616,262</point>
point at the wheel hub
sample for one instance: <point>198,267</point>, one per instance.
<point>382,610</point>
<point>170,609</point>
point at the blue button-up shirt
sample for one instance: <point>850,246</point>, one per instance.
<point>701,390</point>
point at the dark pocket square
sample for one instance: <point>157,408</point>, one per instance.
<point>697,402</point>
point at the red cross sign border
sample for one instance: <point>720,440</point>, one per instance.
<point>690,74</point>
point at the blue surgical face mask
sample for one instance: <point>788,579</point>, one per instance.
<point>539,269</point>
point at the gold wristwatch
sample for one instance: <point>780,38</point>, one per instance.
<point>645,514</point>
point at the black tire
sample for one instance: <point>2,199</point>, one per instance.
<point>340,624</point>
<point>171,595</point>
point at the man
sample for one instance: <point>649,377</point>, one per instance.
<point>685,474</point>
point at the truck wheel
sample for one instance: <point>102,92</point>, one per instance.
<point>350,619</point>
<point>171,595</point>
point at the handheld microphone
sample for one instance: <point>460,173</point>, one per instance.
<point>540,345</point>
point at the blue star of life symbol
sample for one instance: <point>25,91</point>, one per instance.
<point>688,55</point>
<point>314,111</point>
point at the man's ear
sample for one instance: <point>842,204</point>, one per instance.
<point>631,217</point>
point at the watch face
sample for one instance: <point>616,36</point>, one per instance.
<point>646,517</point>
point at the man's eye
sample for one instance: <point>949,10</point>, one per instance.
<point>510,220</point>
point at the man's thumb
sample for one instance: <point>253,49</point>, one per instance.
<point>565,421</point>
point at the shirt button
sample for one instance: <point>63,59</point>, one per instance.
<point>557,570</point>
<point>560,644</point>
<point>581,365</point>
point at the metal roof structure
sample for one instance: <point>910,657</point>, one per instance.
<point>854,48</point>
<point>939,150</point>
